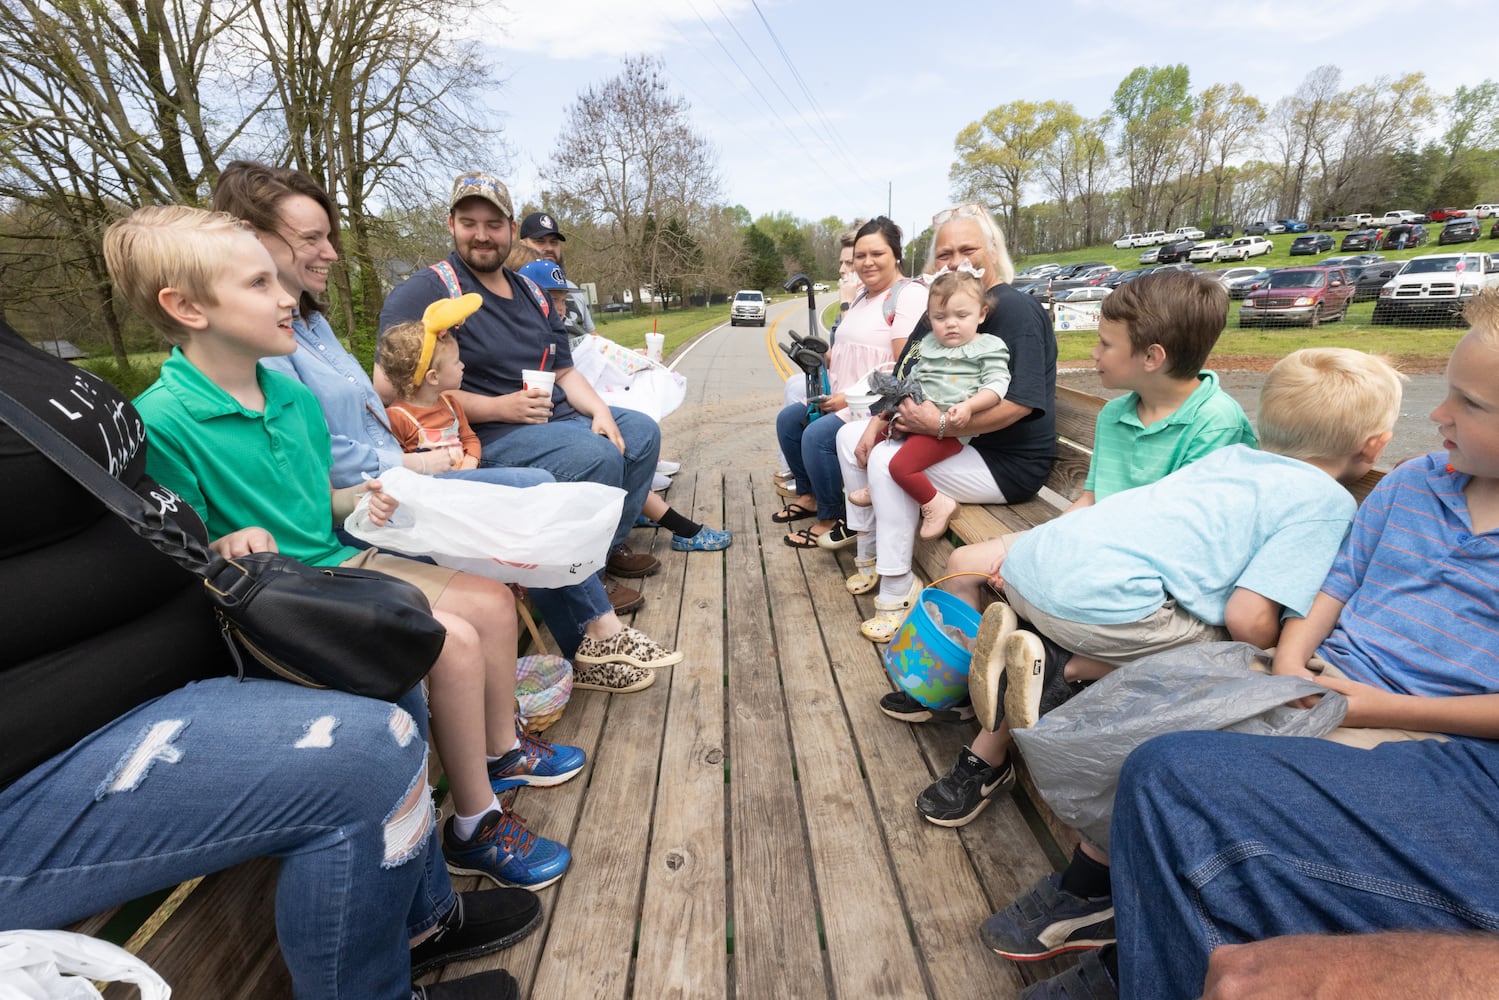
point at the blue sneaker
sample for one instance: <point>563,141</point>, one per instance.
<point>1048,921</point>
<point>505,852</point>
<point>535,762</point>
<point>706,540</point>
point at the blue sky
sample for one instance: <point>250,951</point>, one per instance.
<point>895,82</point>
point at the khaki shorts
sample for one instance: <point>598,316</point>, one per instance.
<point>429,579</point>
<point>1365,739</point>
<point>1167,628</point>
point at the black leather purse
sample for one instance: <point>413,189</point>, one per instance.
<point>324,627</point>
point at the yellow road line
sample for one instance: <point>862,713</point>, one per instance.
<point>778,359</point>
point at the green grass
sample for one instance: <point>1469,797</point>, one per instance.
<point>679,326</point>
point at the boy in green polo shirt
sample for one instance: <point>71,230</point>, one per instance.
<point>1154,335</point>
<point>249,450</point>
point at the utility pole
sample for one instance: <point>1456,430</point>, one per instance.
<point>889,198</point>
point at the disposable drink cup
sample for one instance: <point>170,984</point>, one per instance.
<point>655,343</point>
<point>533,379</point>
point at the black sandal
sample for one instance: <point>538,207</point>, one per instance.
<point>792,512</point>
<point>803,539</point>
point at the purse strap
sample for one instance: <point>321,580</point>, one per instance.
<point>144,519</point>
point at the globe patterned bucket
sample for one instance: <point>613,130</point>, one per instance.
<point>923,661</point>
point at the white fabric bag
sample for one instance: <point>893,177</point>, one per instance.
<point>61,965</point>
<point>551,535</point>
<point>628,379</point>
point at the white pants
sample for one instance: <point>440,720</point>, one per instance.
<point>964,477</point>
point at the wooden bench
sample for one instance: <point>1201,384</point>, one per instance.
<point>1077,417</point>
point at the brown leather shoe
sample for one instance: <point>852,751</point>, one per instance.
<point>623,562</point>
<point>622,598</point>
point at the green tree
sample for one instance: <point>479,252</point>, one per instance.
<point>762,264</point>
<point>1000,154</point>
<point>1149,112</point>
<point>1225,122</point>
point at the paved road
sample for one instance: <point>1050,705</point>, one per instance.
<point>734,391</point>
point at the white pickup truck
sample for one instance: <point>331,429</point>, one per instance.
<point>1435,287</point>
<point>1398,217</point>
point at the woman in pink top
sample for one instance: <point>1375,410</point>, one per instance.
<point>871,334</point>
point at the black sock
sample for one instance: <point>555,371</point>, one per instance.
<point>677,524</point>
<point>1086,877</point>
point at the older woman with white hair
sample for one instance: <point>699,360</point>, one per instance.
<point>1006,462</point>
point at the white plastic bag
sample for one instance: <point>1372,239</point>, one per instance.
<point>61,965</point>
<point>1076,751</point>
<point>627,379</point>
<point>551,535</point>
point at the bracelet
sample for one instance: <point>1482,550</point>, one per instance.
<point>941,426</point>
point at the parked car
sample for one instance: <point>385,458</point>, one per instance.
<point>1221,231</point>
<point>1095,275</point>
<point>1263,228</point>
<point>1447,214</point>
<point>1156,237</point>
<point>1397,216</point>
<point>1075,270</point>
<point>1245,280</point>
<point>1175,251</point>
<point>1189,233</point>
<point>1203,252</point>
<point>1292,225</point>
<point>1356,258</point>
<point>1311,244</point>
<point>1435,287</point>
<point>1039,270</point>
<point>1299,294</point>
<point>1373,277</point>
<point>615,307</point>
<point>749,307</point>
<point>1120,277</point>
<point>1414,235</point>
<point>1245,247</point>
<point>1127,242</point>
<point>1486,211</point>
<point>1150,255</point>
<point>1092,293</point>
<point>1461,230</point>
<point>1359,239</point>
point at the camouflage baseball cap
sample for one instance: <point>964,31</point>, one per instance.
<point>480,185</point>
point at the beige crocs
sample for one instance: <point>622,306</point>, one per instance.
<point>864,579</point>
<point>888,615</point>
<point>628,646</point>
<point>617,678</point>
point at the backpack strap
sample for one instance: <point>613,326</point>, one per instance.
<point>892,296</point>
<point>450,280</point>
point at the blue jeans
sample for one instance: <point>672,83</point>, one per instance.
<point>1221,838</point>
<point>570,450</point>
<point>567,611</point>
<point>219,772</point>
<point>811,451</point>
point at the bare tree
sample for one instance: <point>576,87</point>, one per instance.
<point>1301,120</point>
<point>111,104</point>
<point>1354,153</point>
<point>628,153</point>
<point>1150,110</point>
<point>1226,122</point>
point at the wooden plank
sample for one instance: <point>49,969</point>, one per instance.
<point>1077,414</point>
<point>591,936</point>
<point>870,952</point>
<point>776,951</point>
<point>684,915</point>
<point>939,884</point>
<point>221,941</point>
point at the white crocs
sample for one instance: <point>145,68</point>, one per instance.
<point>889,615</point>
<point>864,579</point>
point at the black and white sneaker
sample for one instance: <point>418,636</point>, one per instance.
<point>480,923</point>
<point>965,791</point>
<point>900,705</point>
<point>1034,678</point>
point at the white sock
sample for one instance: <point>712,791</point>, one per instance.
<point>866,546</point>
<point>895,588</point>
<point>464,826</point>
<point>496,760</point>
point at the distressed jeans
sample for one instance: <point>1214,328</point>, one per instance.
<point>570,450</point>
<point>1223,838</point>
<point>219,772</point>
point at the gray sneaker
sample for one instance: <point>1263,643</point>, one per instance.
<point>900,705</point>
<point>1046,921</point>
<point>1089,979</point>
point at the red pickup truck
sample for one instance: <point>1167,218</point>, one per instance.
<point>1299,295</point>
